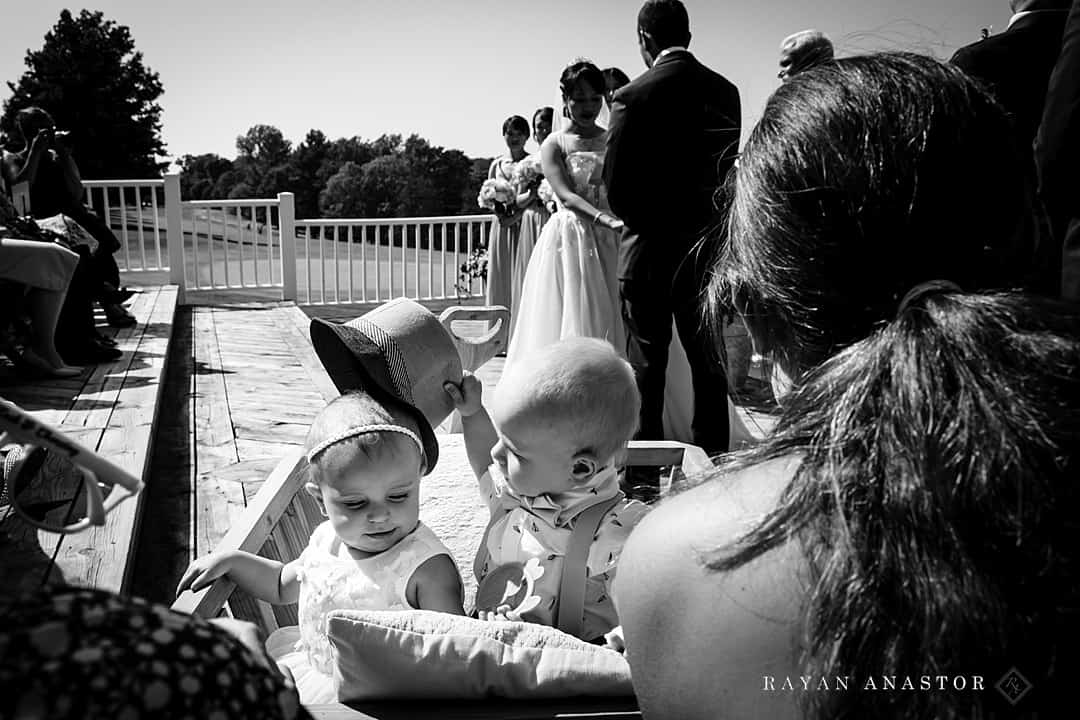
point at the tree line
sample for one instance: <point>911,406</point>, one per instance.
<point>92,80</point>
<point>347,177</point>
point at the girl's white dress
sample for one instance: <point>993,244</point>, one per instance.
<point>332,579</point>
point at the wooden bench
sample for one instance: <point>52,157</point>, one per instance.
<point>279,521</point>
<point>111,408</point>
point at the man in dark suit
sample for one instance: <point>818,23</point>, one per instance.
<point>1057,155</point>
<point>674,135</point>
<point>1016,66</point>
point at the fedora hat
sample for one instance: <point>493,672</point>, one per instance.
<point>399,353</point>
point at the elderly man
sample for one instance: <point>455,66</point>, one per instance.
<point>803,50</point>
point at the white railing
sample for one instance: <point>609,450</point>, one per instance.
<point>134,211</point>
<point>363,261</point>
<point>240,244</point>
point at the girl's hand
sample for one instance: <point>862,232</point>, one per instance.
<point>466,396</point>
<point>204,571</point>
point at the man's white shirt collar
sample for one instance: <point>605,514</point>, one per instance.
<point>1023,13</point>
<point>667,50</point>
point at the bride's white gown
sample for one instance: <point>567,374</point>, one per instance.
<point>571,287</point>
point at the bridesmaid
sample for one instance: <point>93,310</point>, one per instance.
<point>503,241</point>
<point>533,216</point>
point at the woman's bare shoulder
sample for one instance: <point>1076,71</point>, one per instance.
<point>742,623</point>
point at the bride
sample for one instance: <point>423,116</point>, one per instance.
<point>571,285</point>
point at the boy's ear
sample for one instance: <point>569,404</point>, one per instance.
<point>583,467</point>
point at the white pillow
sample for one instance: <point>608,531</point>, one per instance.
<point>388,654</point>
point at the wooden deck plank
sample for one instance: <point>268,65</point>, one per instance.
<point>102,557</point>
<point>91,408</point>
<point>298,338</point>
<point>217,503</point>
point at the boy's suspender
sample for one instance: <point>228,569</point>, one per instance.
<point>570,611</point>
<point>570,608</point>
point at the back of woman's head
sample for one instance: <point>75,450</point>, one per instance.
<point>864,177</point>
<point>936,502</point>
<point>938,437</point>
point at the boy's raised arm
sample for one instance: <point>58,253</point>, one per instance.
<point>479,432</point>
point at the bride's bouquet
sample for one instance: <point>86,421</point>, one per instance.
<point>499,196</point>
<point>546,195</point>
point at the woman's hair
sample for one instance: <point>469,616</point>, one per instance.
<point>864,177</point>
<point>581,71</point>
<point>544,113</point>
<point>936,493</point>
<point>615,78</point>
<point>516,122</point>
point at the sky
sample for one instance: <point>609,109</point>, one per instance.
<point>451,70</point>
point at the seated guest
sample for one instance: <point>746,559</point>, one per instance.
<point>912,514</point>
<point>60,283</point>
<point>56,187</point>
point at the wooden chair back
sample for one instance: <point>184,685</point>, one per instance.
<point>476,349</point>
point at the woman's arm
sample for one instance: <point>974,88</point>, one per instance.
<point>72,178</point>
<point>552,159</point>
<point>268,580</point>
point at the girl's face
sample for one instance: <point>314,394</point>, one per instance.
<point>515,139</point>
<point>584,104</point>
<point>541,129</point>
<point>372,503</point>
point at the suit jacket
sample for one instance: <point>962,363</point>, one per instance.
<point>1016,65</point>
<point>1057,155</point>
<point>674,136</point>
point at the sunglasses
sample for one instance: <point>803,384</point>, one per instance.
<point>53,482</point>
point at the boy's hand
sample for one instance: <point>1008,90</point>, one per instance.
<point>466,396</point>
<point>503,612</point>
<point>204,571</point>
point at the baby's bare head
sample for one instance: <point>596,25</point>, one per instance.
<point>581,386</point>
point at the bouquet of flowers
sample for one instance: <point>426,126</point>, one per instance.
<point>498,195</point>
<point>474,268</point>
<point>546,195</point>
<point>528,174</point>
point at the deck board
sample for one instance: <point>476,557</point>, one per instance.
<point>111,408</point>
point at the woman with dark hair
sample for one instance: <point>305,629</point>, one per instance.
<point>900,545</point>
<point>503,240</point>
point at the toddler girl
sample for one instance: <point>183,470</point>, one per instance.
<point>372,553</point>
<point>547,461</point>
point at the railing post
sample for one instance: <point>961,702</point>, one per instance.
<point>174,233</point>
<point>287,223</point>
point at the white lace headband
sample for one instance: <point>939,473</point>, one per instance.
<point>362,430</point>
